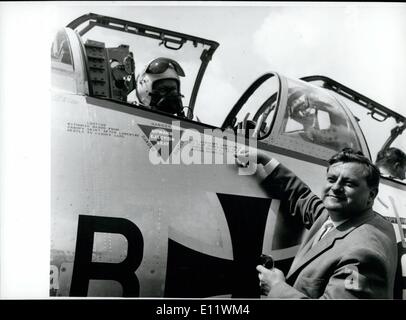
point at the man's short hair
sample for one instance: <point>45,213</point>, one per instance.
<point>349,155</point>
<point>389,157</point>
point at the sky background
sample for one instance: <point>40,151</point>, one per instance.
<point>360,45</point>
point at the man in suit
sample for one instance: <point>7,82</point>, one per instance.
<point>350,251</point>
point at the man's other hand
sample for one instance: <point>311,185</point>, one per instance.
<point>269,278</point>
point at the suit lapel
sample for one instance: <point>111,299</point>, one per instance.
<point>308,254</point>
<point>307,241</point>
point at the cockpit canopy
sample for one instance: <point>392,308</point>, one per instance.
<point>313,116</point>
<point>296,116</point>
<point>110,53</point>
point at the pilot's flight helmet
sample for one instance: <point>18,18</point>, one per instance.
<point>299,103</point>
<point>157,69</point>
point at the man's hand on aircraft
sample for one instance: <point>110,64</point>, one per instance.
<point>245,154</point>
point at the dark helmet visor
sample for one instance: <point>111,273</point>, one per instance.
<point>160,65</point>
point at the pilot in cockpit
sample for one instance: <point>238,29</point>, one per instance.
<point>392,163</point>
<point>304,106</point>
<point>158,86</point>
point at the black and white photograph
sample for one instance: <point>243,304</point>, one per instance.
<point>203,150</point>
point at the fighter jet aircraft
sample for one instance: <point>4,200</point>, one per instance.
<point>147,200</point>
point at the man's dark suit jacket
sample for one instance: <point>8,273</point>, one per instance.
<point>358,259</point>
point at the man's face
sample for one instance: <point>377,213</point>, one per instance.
<point>302,111</point>
<point>165,87</point>
<point>346,192</point>
<point>165,96</point>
